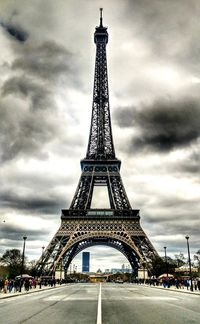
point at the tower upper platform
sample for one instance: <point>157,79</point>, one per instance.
<point>101,34</point>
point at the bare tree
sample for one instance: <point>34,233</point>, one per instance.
<point>197,258</point>
<point>12,259</point>
<point>180,259</point>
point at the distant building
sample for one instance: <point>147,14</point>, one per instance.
<point>98,277</point>
<point>85,261</point>
<point>99,271</point>
<point>107,271</point>
<point>122,270</point>
<point>116,270</point>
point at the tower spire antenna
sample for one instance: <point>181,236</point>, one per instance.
<point>101,17</point>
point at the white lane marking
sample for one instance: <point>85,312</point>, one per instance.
<point>99,320</point>
<point>143,298</point>
<point>54,298</point>
<point>78,298</point>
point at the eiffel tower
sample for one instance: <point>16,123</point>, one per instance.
<point>82,226</point>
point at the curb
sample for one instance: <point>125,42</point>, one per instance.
<point>10,295</point>
<point>175,290</point>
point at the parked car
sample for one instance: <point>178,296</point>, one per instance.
<point>119,281</point>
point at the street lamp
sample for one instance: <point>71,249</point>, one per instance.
<point>61,268</point>
<point>22,266</point>
<point>189,261</point>
<point>166,264</point>
<point>144,270</point>
<point>42,256</point>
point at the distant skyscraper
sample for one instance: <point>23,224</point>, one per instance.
<point>85,261</point>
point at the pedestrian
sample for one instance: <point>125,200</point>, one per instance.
<point>34,283</point>
<point>40,283</point>
<point>195,284</point>
<point>177,283</point>
<point>10,285</point>
<point>1,285</point>
<point>16,285</point>
<point>26,284</point>
<point>21,283</point>
<point>198,284</point>
<point>6,285</point>
<point>164,283</point>
<point>186,283</point>
<point>30,283</point>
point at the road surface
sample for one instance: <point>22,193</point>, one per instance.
<point>106,303</point>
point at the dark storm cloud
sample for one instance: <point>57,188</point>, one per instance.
<point>24,133</point>
<point>168,234</point>
<point>36,194</point>
<point>175,214</point>
<point>26,126</point>
<point>16,32</point>
<point>38,66</point>
<point>16,232</point>
<point>48,61</point>
<point>34,202</point>
<point>12,236</point>
<point>163,126</point>
<point>40,96</point>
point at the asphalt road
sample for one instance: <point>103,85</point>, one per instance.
<point>101,304</point>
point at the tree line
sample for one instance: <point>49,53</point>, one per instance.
<point>11,263</point>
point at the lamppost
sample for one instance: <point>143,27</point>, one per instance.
<point>43,247</point>
<point>166,264</point>
<point>22,266</point>
<point>61,269</point>
<point>189,261</point>
<point>144,270</point>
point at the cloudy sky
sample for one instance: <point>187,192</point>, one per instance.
<point>46,78</point>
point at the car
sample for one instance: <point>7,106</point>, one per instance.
<point>119,281</point>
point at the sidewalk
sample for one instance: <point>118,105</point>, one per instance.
<point>24,292</point>
<point>173,288</point>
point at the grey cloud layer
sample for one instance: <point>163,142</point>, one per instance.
<point>163,126</point>
<point>23,132</point>
<point>163,23</point>
<point>22,86</point>
<point>47,61</point>
<point>49,203</point>
<point>37,66</point>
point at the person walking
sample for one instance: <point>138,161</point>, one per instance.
<point>16,285</point>
<point>34,283</point>
<point>198,284</point>
<point>10,285</point>
<point>177,283</point>
<point>6,285</point>
<point>26,284</point>
<point>195,284</point>
<point>40,283</point>
<point>1,285</point>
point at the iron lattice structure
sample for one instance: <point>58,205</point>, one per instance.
<point>81,226</point>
